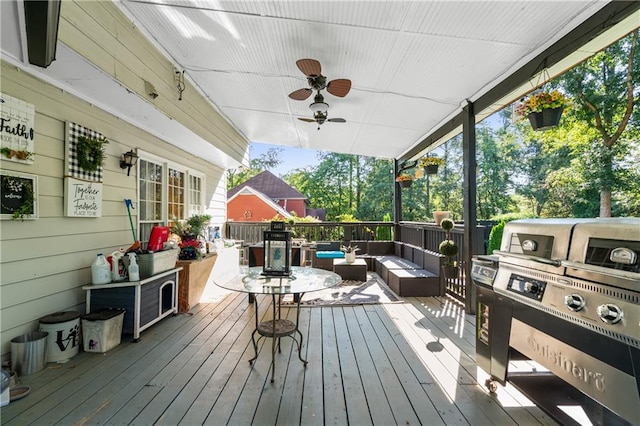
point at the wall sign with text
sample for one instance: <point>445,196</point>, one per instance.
<point>17,129</point>
<point>18,195</point>
<point>82,198</point>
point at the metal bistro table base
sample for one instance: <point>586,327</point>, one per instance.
<point>300,281</point>
<point>276,328</point>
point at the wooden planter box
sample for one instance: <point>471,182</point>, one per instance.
<point>193,279</point>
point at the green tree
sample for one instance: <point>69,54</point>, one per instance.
<point>377,190</point>
<point>496,154</point>
<point>605,91</point>
<point>446,185</point>
<point>266,161</point>
<point>544,157</point>
<point>335,184</point>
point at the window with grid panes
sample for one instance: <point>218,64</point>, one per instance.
<point>151,199</point>
<point>195,195</point>
<point>166,192</point>
<point>175,193</point>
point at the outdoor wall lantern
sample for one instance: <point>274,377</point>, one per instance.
<point>129,159</point>
<point>277,251</point>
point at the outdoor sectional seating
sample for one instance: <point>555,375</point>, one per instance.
<point>408,270</point>
<point>324,254</point>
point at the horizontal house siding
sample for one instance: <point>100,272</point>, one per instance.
<point>217,207</point>
<point>100,32</point>
<point>45,262</point>
<point>297,206</point>
<point>237,207</point>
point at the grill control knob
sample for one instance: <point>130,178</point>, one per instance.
<point>574,301</point>
<point>609,313</point>
<point>531,287</point>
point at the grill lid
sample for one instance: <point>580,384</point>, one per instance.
<point>540,244</point>
<point>607,251</point>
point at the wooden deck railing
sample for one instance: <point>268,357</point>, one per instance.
<point>251,232</point>
<point>429,236</point>
<point>421,234</point>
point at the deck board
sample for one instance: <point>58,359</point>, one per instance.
<point>411,386</point>
<point>392,396</point>
<point>405,363</point>
<point>335,410</point>
<point>353,373</point>
<point>312,410</point>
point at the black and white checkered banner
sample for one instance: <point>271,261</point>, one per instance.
<point>74,131</point>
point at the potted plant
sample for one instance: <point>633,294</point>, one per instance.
<point>439,215</point>
<point>543,109</point>
<point>404,180</point>
<point>430,164</point>
<point>189,231</point>
<point>349,253</point>
<point>449,249</point>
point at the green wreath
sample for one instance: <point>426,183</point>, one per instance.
<point>90,152</point>
<point>26,209</point>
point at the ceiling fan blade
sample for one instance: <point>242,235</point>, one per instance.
<point>339,87</point>
<point>310,67</point>
<point>308,120</point>
<point>337,120</point>
<point>300,94</point>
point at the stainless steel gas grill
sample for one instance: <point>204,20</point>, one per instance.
<point>567,296</point>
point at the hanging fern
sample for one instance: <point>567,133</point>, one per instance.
<point>90,152</point>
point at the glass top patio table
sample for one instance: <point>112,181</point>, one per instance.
<point>301,280</point>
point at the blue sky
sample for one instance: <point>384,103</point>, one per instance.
<point>297,158</point>
<point>292,158</point>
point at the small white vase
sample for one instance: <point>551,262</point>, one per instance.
<point>350,257</point>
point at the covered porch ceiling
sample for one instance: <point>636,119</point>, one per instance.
<point>413,64</point>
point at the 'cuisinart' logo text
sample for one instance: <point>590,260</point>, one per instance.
<point>567,365</point>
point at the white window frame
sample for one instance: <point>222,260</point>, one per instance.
<point>185,170</point>
<point>200,202</point>
<point>187,205</point>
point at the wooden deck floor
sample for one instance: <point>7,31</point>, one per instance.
<point>405,363</point>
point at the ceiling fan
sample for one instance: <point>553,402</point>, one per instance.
<point>320,118</point>
<point>312,69</point>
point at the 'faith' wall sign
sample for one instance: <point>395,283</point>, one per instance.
<point>17,129</point>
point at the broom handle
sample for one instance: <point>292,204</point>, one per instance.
<point>130,205</point>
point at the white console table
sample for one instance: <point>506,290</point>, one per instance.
<point>145,302</point>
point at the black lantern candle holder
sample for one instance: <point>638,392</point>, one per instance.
<point>277,251</point>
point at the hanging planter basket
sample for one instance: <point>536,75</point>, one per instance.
<point>431,169</point>
<point>405,183</point>
<point>545,119</point>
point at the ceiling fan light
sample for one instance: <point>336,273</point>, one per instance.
<point>319,107</point>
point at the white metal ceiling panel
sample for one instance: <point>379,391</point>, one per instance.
<point>511,22</point>
<point>382,141</point>
<point>413,64</point>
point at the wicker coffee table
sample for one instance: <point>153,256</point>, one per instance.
<point>356,271</point>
